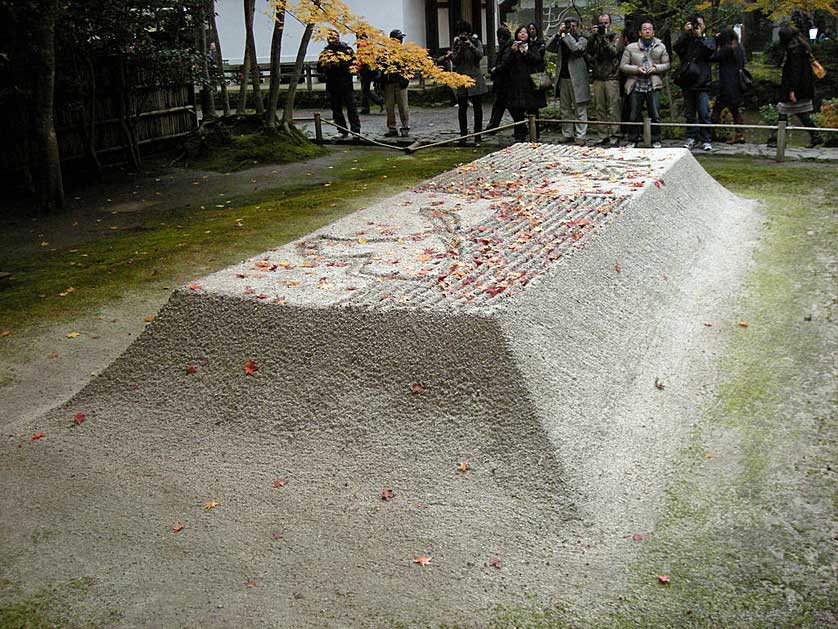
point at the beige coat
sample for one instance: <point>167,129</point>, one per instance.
<point>632,62</point>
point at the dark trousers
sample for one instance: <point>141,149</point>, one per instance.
<point>518,114</point>
<point>462,113</point>
<point>368,94</point>
<point>497,111</point>
<point>720,105</point>
<point>807,121</point>
<point>697,109</point>
<point>651,102</point>
<point>340,99</point>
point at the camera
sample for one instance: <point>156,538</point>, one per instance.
<point>567,24</point>
<point>695,23</point>
<point>600,29</point>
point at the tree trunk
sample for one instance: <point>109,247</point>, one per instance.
<point>46,174</point>
<point>89,121</point>
<point>241,108</point>
<point>132,151</point>
<point>207,87</point>
<point>218,58</point>
<point>255,75</point>
<point>288,110</point>
<point>276,74</point>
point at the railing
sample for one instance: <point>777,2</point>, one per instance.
<point>532,123</point>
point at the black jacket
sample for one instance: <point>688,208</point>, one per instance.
<point>730,60</point>
<point>517,67</point>
<point>336,62</point>
<point>797,73</point>
<point>499,77</point>
<point>698,50</point>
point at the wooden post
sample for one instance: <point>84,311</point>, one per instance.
<point>781,140</point>
<point>309,81</point>
<point>647,131</point>
<point>318,128</point>
<point>533,128</point>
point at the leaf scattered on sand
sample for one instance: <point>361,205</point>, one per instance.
<point>37,436</point>
<point>387,494</point>
<point>178,527</point>
<point>250,368</point>
<point>464,466</point>
<point>422,560</point>
<point>79,419</point>
<point>210,505</point>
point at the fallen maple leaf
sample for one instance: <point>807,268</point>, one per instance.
<point>38,435</point>
<point>79,418</point>
<point>387,494</point>
<point>279,483</point>
<point>275,535</point>
<point>148,319</point>
<point>663,578</point>
<point>617,267</point>
<point>250,368</point>
<point>250,583</point>
<point>659,385</point>
<point>422,560</point>
<point>463,467</point>
<point>418,388</point>
<point>638,537</point>
<point>178,527</point>
<point>195,286</point>
<point>743,324</point>
<point>210,505</point>
<point>5,333</point>
<point>708,325</point>
<point>73,335</point>
<point>495,562</point>
<point>190,369</point>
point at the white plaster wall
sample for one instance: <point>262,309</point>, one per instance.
<point>408,15</point>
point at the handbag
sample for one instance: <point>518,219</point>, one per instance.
<point>746,81</point>
<point>541,81</point>
<point>817,69</point>
<point>687,75</point>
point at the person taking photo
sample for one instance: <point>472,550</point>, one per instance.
<point>695,51</point>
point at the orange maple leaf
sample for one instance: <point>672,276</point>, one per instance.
<point>422,560</point>
<point>463,467</point>
<point>617,267</point>
<point>190,369</point>
<point>38,435</point>
<point>178,527</point>
<point>210,505</point>
<point>250,368</point>
<point>195,286</point>
<point>743,324</point>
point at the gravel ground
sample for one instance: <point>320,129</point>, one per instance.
<point>550,395</point>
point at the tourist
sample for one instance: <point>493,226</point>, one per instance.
<point>466,53</point>
<point>336,62</point>
<point>394,86</point>
<point>731,59</point>
<point>517,65</point>
<point>643,63</point>
<point>797,84</point>
<point>499,79</point>
<point>695,50</point>
<point>605,50</point>
<point>573,89</point>
<point>367,76</point>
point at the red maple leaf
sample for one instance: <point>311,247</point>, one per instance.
<point>638,537</point>
<point>664,579</point>
<point>190,369</point>
<point>417,388</point>
<point>79,418</point>
<point>279,483</point>
<point>387,494</point>
<point>250,368</point>
<point>195,286</point>
<point>250,583</point>
<point>659,385</point>
<point>494,562</point>
<point>38,435</point>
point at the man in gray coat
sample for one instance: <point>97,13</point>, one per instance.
<point>573,89</point>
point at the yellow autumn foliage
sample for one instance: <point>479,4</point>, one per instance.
<point>379,52</point>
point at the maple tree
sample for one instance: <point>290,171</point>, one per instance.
<point>387,55</point>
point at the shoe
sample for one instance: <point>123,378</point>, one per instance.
<point>656,145</point>
<point>391,133</point>
<point>340,136</point>
<point>707,147</point>
<point>816,141</point>
<point>689,144</point>
<point>404,132</point>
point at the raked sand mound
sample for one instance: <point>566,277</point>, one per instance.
<point>485,345</point>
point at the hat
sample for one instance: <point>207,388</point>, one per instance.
<point>396,34</point>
